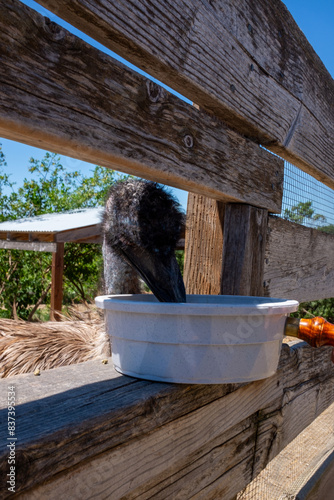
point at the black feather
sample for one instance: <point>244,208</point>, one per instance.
<point>142,224</point>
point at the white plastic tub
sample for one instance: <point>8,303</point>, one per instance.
<point>211,339</point>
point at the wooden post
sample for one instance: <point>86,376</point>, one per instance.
<point>203,245</point>
<point>245,229</point>
<point>57,282</point>
<point>224,247</point>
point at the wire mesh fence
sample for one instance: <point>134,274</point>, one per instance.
<point>310,203</point>
<point>306,200</point>
<point>291,474</point>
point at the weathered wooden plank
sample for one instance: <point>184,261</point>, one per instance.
<point>94,239</point>
<point>35,246</point>
<point>81,233</point>
<point>73,99</point>
<point>245,229</point>
<point>247,62</point>
<point>299,262</point>
<point>203,245</point>
<point>304,398</point>
<point>225,247</point>
<point>57,272</point>
<point>121,408</point>
<point>147,469</point>
<point>26,236</point>
<point>159,440</point>
<point>303,470</point>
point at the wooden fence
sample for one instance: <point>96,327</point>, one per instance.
<point>85,431</point>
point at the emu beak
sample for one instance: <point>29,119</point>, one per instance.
<point>161,274</point>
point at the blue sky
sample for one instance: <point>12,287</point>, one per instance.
<point>315,19</point>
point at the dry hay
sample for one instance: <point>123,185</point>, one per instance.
<point>26,347</point>
<point>84,312</point>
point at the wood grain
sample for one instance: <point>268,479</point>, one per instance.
<point>35,246</point>
<point>299,262</point>
<point>247,62</point>
<point>60,94</point>
<point>83,233</point>
<point>225,247</point>
<point>203,245</point>
<point>57,272</point>
<point>245,229</point>
<point>159,440</point>
<point>303,470</point>
<point>26,236</point>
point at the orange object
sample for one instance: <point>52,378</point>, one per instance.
<point>316,331</point>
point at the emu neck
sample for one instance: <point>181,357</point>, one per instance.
<point>119,277</point>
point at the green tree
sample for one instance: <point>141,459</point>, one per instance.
<point>303,213</point>
<point>25,279</point>
<point>52,188</point>
<point>324,308</point>
<point>25,276</point>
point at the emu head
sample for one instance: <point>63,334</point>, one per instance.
<point>142,224</point>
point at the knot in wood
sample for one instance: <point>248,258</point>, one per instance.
<point>53,29</point>
<point>154,91</point>
<point>188,141</point>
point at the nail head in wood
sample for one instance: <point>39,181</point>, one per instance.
<point>188,141</point>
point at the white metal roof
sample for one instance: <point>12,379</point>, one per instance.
<point>56,222</point>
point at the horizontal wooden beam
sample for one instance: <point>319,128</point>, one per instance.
<point>93,240</point>
<point>73,99</point>
<point>299,262</point>
<point>247,62</point>
<point>27,236</point>
<point>205,440</point>
<point>35,246</point>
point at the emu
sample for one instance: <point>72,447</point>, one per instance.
<point>141,227</point>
